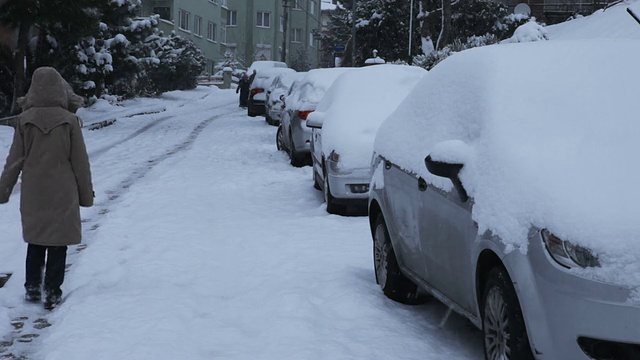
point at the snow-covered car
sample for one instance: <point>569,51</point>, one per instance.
<point>265,64</point>
<point>257,89</point>
<point>276,92</point>
<point>504,186</point>
<point>344,126</point>
<point>305,94</point>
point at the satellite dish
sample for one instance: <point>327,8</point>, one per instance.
<point>523,9</point>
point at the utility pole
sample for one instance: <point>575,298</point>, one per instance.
<point>285,20</point>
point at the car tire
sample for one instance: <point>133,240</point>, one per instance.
<point>250,111</point>
<point>280,139</point>
<point>316,184</point>
<point>503,328</point>
<point>332,207</point>
<point>394,284</point>
<point>268,119</point>
<point>295,158</point>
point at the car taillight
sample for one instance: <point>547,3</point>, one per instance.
<point>304,114</point>
<point>256,90</point>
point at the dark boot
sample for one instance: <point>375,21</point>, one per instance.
<point>52,299</point>
<point>33,294</point>
<point>54,275</point>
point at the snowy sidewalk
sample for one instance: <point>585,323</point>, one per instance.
<point>219,249</point>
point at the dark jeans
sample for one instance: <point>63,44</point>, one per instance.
<point>55,265</point>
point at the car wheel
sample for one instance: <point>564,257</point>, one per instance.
<point>394,284</point>
<point>295,158</point>
<point>505,334</point>
<point>250,111</point>
<point>316,184</point>
<point>332,207</point>
<point>280,139</point>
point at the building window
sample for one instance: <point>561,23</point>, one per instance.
<point>164,12</point>
<point>296,4</point>
<point>263,19</point>
<point>223,34</point>
<point>311,39</point>
<point>296,35</point>
<point>197,21</point>
<point>232,18</point>
<point>312,7</point>
<point>183,20</point>
<point>211,31</point>
<point>281,23</point>
<point>214,1</point>
<point>223,3</point>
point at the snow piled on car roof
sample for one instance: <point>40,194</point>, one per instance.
<point>552,133</point>
<point>311,88</point>
<point>355,106</point>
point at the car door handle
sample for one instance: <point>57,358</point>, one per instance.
<point>422,184</point>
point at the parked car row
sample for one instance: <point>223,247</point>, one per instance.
<point>508,195</point>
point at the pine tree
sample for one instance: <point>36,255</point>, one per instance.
<point>380,24</point>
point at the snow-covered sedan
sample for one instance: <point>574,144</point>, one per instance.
<point>276,92</point>
<point>505,186</point>
<point>344,127</point>
<point>305,94</point>
<point>257,90</point>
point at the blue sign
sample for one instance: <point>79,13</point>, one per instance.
<point>340,47</point>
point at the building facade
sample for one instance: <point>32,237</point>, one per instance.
<point>248,30</point>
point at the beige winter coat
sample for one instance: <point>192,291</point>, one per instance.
<point>49,150</point>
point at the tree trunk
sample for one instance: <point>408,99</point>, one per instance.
<point>18,65</point>
<point>443,39</point>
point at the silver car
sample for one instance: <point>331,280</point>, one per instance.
<point>276,93</point>
<point>516,208</point>
<point>293,135</point>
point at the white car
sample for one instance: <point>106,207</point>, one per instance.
<point>344,127</point>
<point>257,89</point>
<point>305,94</point>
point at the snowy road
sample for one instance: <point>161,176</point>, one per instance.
<point>206,244</point>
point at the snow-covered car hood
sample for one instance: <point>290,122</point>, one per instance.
<point>549,131</point>
<point>356,104</point>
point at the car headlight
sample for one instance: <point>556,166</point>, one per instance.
<point>568,254</point>
<point>334,156</point>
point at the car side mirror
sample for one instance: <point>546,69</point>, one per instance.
<point>449,171</point>
<point>314,122</point>
<point>282,97</point>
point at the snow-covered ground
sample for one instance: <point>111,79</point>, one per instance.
<point>205,243</point>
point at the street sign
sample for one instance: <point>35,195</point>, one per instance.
<point>340,47</point>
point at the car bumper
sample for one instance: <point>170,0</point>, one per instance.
<point>563,308</point>
<point>352,184</point>
<point>275,115</point>
<point>256,107</point>
<point>301,137</point>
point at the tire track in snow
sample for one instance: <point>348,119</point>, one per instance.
<point>32,319</point>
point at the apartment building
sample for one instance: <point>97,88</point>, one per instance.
<point>249,30</point>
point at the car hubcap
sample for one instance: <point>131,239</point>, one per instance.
<point>496,326</point>
<point>326,190</point>
<point>380,249</point>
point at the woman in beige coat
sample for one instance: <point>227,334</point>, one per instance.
<point>49,150</point>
